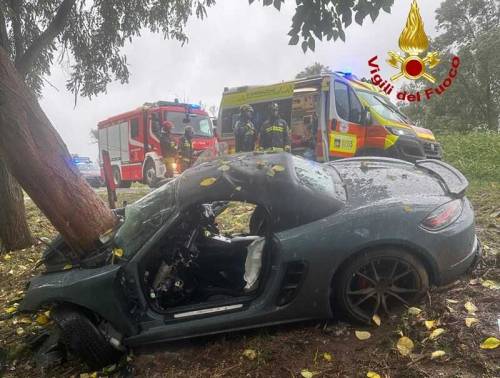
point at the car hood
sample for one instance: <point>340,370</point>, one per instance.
<point>369,180</point>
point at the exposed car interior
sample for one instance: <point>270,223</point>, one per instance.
<point>199,261</point>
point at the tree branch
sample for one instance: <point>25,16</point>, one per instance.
<point>25,62</point>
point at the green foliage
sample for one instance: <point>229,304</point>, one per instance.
<point>475,154</point>
<point>313,70</point>
<point>469,29</point>
<point>328,18</point>
<point>89,35</point>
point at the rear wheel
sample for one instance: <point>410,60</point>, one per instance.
<point>80,336</point>
<point>150,173</point>
<point>380,282</point>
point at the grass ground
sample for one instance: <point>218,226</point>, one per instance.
<point>322,349</point>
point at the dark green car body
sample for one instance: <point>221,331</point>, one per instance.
<point>322,217</point>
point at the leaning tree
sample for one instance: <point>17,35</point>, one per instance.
<point>90,35</point>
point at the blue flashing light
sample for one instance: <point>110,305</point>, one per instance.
<point>194,106</point>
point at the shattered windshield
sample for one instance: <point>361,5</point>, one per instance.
<point>144,217</point>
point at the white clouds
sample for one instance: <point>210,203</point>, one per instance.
<point>236,45</point>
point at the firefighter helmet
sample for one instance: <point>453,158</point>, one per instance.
<point>168,125</point>
<point>246,108</point>
<point>274,107</point>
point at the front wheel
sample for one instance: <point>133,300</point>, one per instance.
<point>81,337</point>
<point>379,282</point>
<point>150,178</point>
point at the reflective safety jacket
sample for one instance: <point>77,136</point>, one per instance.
<point>245,136</point>
<point>274,134</point>
<point>185,149</point>
<point>167,145</point>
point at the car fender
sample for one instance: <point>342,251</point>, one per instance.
<point>95,289</point>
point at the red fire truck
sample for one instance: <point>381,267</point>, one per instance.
<point>132,139</point>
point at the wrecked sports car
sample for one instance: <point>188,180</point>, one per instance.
<point>360,236</point>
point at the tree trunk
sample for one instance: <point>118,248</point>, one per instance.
<point>14,231</point>
<point>39,160</point>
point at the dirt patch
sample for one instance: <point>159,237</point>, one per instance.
<point>292,350</point>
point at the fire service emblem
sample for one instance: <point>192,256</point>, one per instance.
<point>414,62</point>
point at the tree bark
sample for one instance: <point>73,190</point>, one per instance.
<point>37,157</point>
<point>14,231</point>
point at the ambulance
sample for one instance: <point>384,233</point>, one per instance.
<point>353,118</point>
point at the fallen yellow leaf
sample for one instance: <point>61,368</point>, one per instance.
<point>224,168</point>
<point>118,252</point>
<point>270,172</point>
<point>327,356</point>
<point>363,335</point>
<point>372,374</point>
<point>452,301</point>
<point>470,321</point>
<point>490,343</point>
<point>437,354</point>
<point>308,374</point>
<point>238,188</point>
<point>405,345</point>
<point>436,333</point>
<point>430,324</point>
<point>20,331</point>
<point>490,284</point>
<point>414,311</point>
<point>42,319</point>
<point>67,267</point>
<point>376,320</point>
<point>251,354</point>
<point>470,307</point>
<point>10,310</point>
<point>278,168</point>
<point>208,181</point>
<point>7,257</point>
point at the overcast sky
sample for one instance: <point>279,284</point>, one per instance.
<point>236,45</point>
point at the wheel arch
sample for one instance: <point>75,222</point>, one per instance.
<point>423,256</point>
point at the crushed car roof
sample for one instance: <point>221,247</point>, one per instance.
<point>295,191</point>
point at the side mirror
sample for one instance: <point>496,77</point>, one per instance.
<point>214,121</point>
<point>366,117</point>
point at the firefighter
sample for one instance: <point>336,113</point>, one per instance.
<point>185,148</point>
<point>168,148</point>
<point>274,133</point>
<point>310,140</point>
<point>245,134</point>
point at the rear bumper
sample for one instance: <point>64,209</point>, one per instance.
<point>466,264</point>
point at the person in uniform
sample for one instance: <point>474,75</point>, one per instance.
<point>274,133</point>
<point>245,134</point>
<point>168,148</point>
<point>185,148</point>
<point>311,136</point>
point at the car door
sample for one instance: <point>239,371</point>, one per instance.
<point>347,133</point>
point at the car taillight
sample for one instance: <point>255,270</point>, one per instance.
<point>443,216</point>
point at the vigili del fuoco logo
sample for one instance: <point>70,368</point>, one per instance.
<point>414,63</point>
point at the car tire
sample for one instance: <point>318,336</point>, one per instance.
<point>81,337</point>
<point>379,281</point>
<point>149,174</point>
